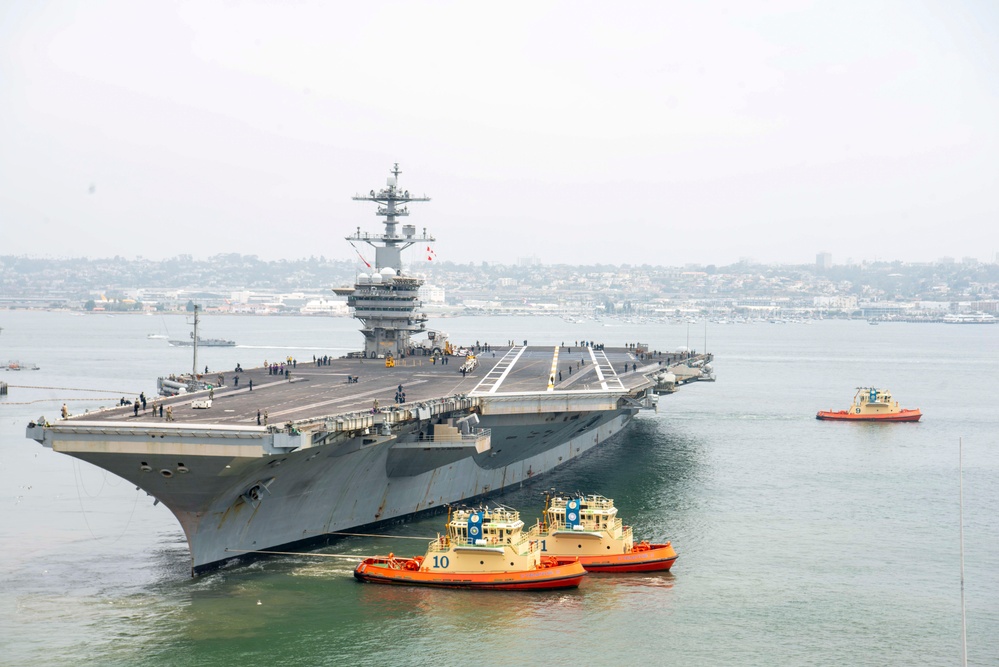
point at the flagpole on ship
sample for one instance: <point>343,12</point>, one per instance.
<point>964,618</point>
<point>194,367</point>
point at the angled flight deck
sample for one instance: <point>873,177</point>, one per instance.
<point>347,386</point>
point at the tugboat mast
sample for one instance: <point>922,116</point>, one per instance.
<point>386,300</point>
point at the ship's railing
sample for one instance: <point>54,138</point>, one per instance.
<point>516,540</point>
<point>558,523</point>
<point>477,436</point>
<point>396,414</point>
<point>444,543</point>
<point>591,502</point>
<point>533,533</point>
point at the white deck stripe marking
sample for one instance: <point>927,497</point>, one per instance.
<point>609,370</point>
<point>493,374</point>
<point>605,370</point>
<point>596,367</point>
<point>507,370</point>
<point>341,399</point>
<point>551,381</point>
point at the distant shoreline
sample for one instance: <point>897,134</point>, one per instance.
<point>716,319</point>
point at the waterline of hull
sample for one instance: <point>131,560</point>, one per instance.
<point>305,495</point>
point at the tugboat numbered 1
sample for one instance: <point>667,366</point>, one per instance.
<point>483,549</point>
<point>872,405</point>
<point>587,528</point>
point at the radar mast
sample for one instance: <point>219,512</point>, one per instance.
<point>386,300</point>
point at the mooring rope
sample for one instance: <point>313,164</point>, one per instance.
<point>49,400</point>
<point>98,391</point>
<point>78,479</point>
<point>395,537</point>
<point>322,555</point>
<point>299,553</point>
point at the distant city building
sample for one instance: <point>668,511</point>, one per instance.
<point>823,260</point>
<point>885,308</point>
<point>835,302</point>
<point>528,261</point>
<point>432,294</point>
<point>935,306</point>
<point>323,306</point>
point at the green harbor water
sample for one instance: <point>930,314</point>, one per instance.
<point>801,542</point>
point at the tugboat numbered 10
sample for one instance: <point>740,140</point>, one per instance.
<point>483,549</point>
<point>587,528</point>
<point>875,405</point>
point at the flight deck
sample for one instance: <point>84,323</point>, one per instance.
<point>353,385</point>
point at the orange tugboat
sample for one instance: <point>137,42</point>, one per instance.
<point>483,549</point>
<point>587,528</point>
<point>870,404</point>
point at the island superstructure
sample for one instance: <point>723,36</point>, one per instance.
<point>267,462</point>
<point>386,300</point>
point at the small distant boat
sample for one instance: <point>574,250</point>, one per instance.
<point>161,336</point>
<point>871,404</point>
<point>20,366</point>
<point>587,528</point>
<point>484,549</point>
<point>203,342</point>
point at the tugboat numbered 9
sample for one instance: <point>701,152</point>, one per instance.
<point>587,528</point>
<point>871,404</point>
<point>483,549</point>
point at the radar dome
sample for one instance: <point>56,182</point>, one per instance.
<point>388,272</point>
<point>376,278</point>
<point>363,278</point>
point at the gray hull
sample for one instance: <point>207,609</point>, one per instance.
<point>304,495</point>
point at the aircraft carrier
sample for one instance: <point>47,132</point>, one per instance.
<point>285,457</point>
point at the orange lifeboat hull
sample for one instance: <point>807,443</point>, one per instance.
<point>643,558</point>
<point>406,572</point>
<point>843,415</point>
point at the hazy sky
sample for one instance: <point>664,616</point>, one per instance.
<point>578,132</point>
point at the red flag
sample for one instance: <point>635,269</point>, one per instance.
<point>359,254</point>
<point>431,255</point>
